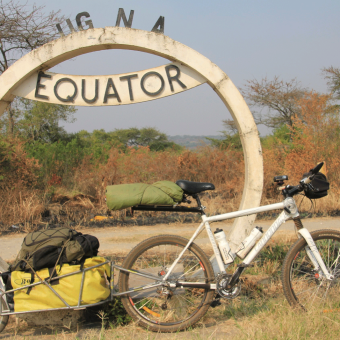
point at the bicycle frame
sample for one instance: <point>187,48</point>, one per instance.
<point>289,211</point>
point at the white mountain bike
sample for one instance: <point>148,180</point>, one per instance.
<point>167,283</point>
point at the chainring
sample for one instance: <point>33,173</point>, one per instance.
<point>221,282</point>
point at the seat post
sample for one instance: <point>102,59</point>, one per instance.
<point>199,204</point>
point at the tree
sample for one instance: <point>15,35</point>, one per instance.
<point>315,136</point>
<point>39,121</point>
<point>230,138</point>
<point>133,137</point>
<point>280,99</point>
<point>279,138</point>
<point>22,29</point>
<point>332,74</point>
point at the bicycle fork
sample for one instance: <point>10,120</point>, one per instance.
<point>311,250</point>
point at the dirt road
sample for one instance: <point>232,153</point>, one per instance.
<point>121,240</point>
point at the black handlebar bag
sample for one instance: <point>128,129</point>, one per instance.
<point>319,186</point>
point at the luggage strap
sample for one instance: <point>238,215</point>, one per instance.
<point>32,280</point>
<point>52,272</point>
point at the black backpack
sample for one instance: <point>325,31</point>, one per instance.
<point>319,186</point>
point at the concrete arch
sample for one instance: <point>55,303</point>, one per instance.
<point>98,39</point>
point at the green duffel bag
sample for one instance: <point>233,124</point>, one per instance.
<point>128,195</point>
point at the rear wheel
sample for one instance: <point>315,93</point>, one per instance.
<point>162,308</point>
<point>3,319</point>
<point>302,284</point>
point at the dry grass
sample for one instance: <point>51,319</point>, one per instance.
<point>21,207</point>
<point>260,312</point>
<point>266,316</point>
<point>263,319</point>
<point>280,321</point>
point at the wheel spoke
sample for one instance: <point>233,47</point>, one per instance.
<point>186,273</point>
<point>328,253</point>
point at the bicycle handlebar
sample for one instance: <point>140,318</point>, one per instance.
<point>290,191</point>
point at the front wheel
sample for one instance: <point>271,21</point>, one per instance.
<point>164,308</point>
<point>302,284</point>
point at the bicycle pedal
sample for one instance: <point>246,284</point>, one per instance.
<point>215,303</point>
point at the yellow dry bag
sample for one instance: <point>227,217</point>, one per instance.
<point>95,289</point>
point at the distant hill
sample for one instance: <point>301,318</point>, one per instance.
<point>192,142</point>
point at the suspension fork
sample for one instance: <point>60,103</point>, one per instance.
<point>311,249</point>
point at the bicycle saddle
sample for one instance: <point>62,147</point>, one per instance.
<point>192,188</point>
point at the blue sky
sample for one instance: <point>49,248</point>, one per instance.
<point>246,39</point>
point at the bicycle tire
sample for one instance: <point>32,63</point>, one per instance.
<point>304,286</point>
<point>3,319</point>
<point>173,309</point>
